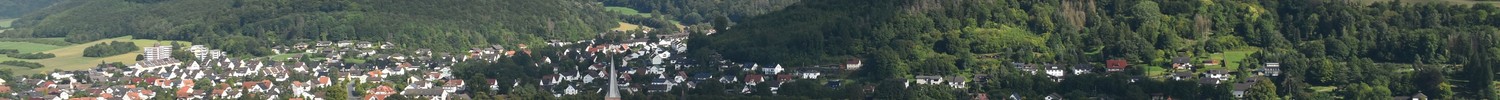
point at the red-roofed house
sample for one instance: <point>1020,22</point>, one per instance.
<point>753,79</point>
<point>379,93</point>
<point>185,90</point>
<point>1116,65</point>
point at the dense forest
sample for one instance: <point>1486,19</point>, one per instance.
<point>16,8</point>
<point>702,11</point>
<point>248,27</point>
<point>1327,43</point>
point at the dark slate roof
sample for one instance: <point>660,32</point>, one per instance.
<point>1180,60</point>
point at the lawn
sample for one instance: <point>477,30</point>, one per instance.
<point>626,11</point>
<point>1155,71</point>
<point>283,57</point>
<point>71,57</point>
<point>1232,58</point>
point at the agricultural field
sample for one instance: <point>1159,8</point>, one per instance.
<point>71,57</point>
<point>627,26</point>
<point>25,47</point>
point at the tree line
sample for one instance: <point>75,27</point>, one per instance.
<point>35,55</point>
<point>109,49</point>
<point>251,27</point>
<point>23,64</point>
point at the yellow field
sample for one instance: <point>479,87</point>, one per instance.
<point>71,57</point>
<point>627,26</point>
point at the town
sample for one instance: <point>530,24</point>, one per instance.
<point>628,67</point>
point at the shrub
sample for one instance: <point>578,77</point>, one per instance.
<point>9,51</point>
<point>109,49</point>
<point>23,64</point>
<point>31,55</point>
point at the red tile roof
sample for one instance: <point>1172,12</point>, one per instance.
<point>754,78</point>
<point>1116,64</point>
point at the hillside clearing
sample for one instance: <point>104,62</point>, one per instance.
<point>626,26</point>
<point>626,11</point>
<point>5,23</point>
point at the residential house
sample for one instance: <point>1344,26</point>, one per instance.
<point>1116,65</point>
<point>1240,89</point>
<point>1210,80</point>
<point>1080,69</point>
<point>323,44</point>
<point>925,79</point>
<point>1272,69</point>
<point>432,93</point>
<point>808,74</point>
<point>1221,74</point>
<point>493,84</point>
<point>1056,71</point>
<point>1028,68</point>
<point>956,82</point>
<point>1182,63</point>
<point>853,64</point>
<point>1182,76</point>
<point>378,93</point>
<point>659,85</point>
<point>365,44</point>
<point>753,79</point>
<point>772,69</point>
<point>453,85</point>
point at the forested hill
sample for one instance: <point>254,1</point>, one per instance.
<point>15,8</point>
<point>444,25</point>
<point>701,11</point>
<point>902,38</point>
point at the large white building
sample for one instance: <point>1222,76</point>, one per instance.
<point>201,52</point>
<point>158,51</point>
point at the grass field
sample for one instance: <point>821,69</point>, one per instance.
<point>627,26</point>
<point>1155,71</point>
<point>627,11</point>
<point>47,41</point>
<point>25,47</point>
<point>5,23</point>
<point>282,57</point>
<point>71,57</point>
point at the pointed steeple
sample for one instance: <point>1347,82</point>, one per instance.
<point>614,93</point>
